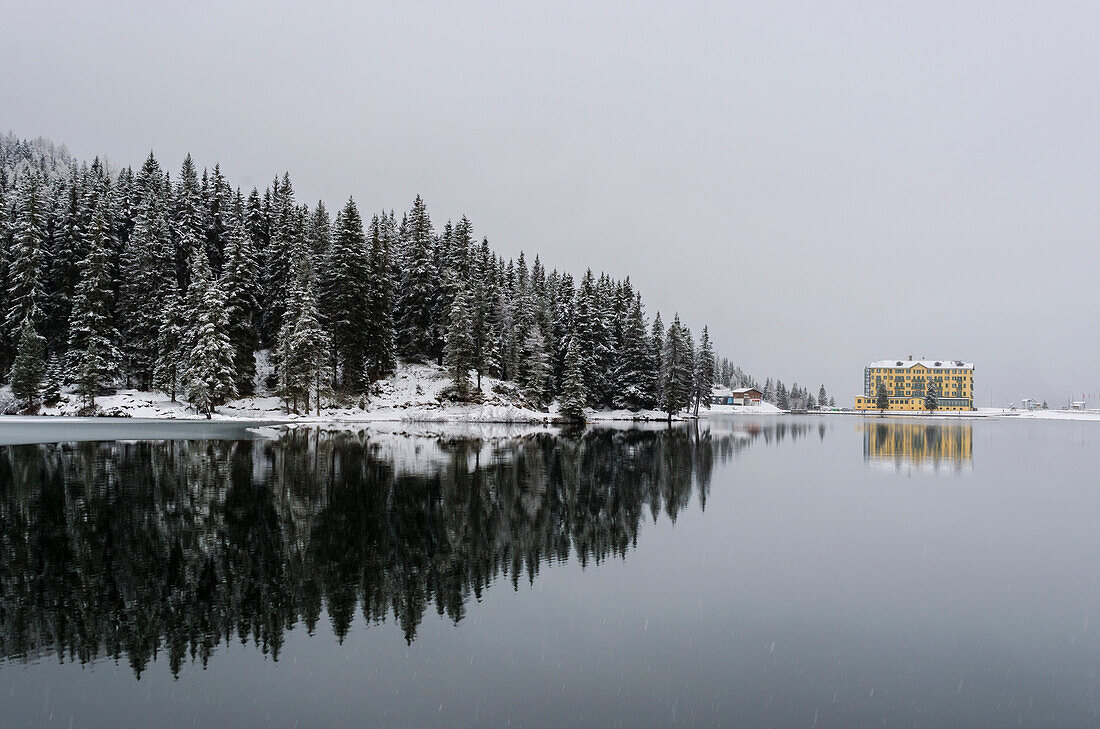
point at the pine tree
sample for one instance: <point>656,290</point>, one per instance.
<point>93,356</point>
<point>241,283</point>
<point>882,399</point>
<point>170,360</point>
<point>302,343</point>
<point>28,369</point>
<point>704,371</point>
<point>822,398</point>
<point>148,270</point>
<point>637,368</point>
<point>345,297</point>
<point>416,308</point>
<point>676,369</point>
<point>535,367</point>
<point>459,348</point>
<point>832,402</point>
<point>188,218</point>
<point>574,395</point>
<point>379,333</point>
<point>27,256</point>
<point>51,386</point>
<point>209,378</point>
<point>782,397</point>
<point>931,395</point>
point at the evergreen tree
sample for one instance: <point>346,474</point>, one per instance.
<point>416,309</point>
<point>704,371</point>
<point>574,395</point>
<point>208,378</point>
<point>55,377</point>
<point>676,370</point>
<point>379,333</point>
<point>782,397</point>
<point>882,399</point>
<point>931,395</point>
<point>302,343</point>
<point>27,256</point>
<point>459,348</point>
<point>93,356</point>
<point>28,369</point>
<point>822,398</point>
<point>637,368</point>
<point>148,270</point>
<point>171,361</point>
<point>535,367</point>
<point>769,391</point>
<point>345,297</point>
<point>188,218</point>
<point>832,402</point>
<point>241,283</point>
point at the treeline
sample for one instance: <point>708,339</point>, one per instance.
<point>774,392</point>
<point>169,548</point>
<point>176,283</point>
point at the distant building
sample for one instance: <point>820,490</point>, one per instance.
<point>906,382</point>
<point>737,396</point>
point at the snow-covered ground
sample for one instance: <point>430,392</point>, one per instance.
<point>764,408</point>
<point>1043,414</point>
<point>415,393</point>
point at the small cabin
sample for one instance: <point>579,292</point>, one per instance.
<point>737,396</point>
<point>747,396</point>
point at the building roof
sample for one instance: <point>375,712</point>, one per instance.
<point>743,390</point>
<point>932,364</point>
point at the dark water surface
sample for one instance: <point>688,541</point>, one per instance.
<point>783,572</point>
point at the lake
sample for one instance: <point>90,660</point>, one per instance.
<point>791,571</point>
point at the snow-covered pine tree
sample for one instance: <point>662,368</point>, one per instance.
<point>209,378</point>
<point>769,391</point>
<point>657,337</point>
<point>302,343</point>
<point>574,395</point>
<point>459,347</point>
<point>636,370</point>
<point>188,220</point>
<point>882,398</point>
<point>171,360</point>
<point>29,367</point>
<point>345,296</point>
<point>93,357</point>
<point>822,398</point>
<point>811,403</point>
<point>66,252</point>
<point>832,402</point>
<point>676,369</point>
<point>379,333</point>
<point>53,382</point>
<point>148,273</point>
<point>282,253</point>
<point>241,284</point>
<point>416,306</point>
<point>931,395</point>
<point>782,396</point>
<point>704,371</point>
<point>535,367</point>
<point>27,256</point>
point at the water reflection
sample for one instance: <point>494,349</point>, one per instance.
<point>166,549</point>
<point>918,446</point>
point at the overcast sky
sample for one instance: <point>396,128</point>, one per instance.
<point>824,184</point>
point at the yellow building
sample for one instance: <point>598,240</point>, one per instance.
<point>906,380</point>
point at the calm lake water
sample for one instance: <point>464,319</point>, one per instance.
<point>782,572</point>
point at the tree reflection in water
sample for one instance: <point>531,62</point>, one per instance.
<point>167,548</point>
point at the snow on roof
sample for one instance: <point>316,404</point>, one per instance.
<point>932,364</point>
<point>743,390</point>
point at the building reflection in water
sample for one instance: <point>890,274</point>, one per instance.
<point>918,447</point>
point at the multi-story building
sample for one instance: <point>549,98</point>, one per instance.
<point>905,382</point>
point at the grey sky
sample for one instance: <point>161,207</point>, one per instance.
<point>920,180</point>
